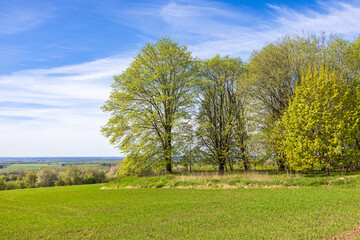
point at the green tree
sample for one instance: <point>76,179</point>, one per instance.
<point>278,68</point>
<point>30,179</point>
<point>352,59</point>
<point>47,177</point>
<point>150,103</point>
<point>322,123</point>
<point>220,116</point>
<point>2,182</point>
<point>72,175</point>
<point>93,175</point>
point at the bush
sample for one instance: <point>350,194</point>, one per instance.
<point>30,179</point>
<point>11,186</point>
<point>2,185</point>
<point>47,177</point>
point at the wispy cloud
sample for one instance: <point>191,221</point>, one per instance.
<point>209,27</point>
<point>240,39</point>
<point>14,20</point>
<point>46,108</point>
<point>337,18</point>
<point>56,111</point>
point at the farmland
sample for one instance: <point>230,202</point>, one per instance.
<point>86,211</point>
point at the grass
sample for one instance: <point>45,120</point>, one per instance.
<point>84,212</point>
<point>249,179</point>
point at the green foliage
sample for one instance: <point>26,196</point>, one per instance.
<point>322,123</point>
<point>93,175</point>
<point>72,175</point>
<point>2,182</point>
<point>150,102</point>
<point>47,177</point>
<point>30,179</point>
<point>11,185</point>
<point>352,59</point>
<point>136,164</point>
<point>278,68</point>
<point>221,118</point>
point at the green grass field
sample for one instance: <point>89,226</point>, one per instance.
<point>250,179</point>
<point>84,212</point>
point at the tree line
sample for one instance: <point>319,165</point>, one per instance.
<point>294,102</point>
<point>48,177</point>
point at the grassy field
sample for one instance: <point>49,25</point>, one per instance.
<point>250,179</point>
<point>86,211</point>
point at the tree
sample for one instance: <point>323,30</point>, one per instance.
<point>278,68</point>
<point>150,103</point>
<point>72,175</point>
<point>46,177</point>
<point>352,59</point>
<point>30,179</point>
<point>190,148</point>
<point>93,175</point>
<point>2,182</point>
<point>322,123</point>
<point>220,108</point>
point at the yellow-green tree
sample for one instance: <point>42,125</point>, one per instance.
<point>278,68</point>
<point>322,123</point>
<point>150,103</point>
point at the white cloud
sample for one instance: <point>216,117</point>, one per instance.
<point>337,18</point>
<point>210,28</point>
<point>69,124</point>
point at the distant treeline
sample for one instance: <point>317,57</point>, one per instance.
<point>294,103</point>
<point>48,177</point>
<point>7,160</point>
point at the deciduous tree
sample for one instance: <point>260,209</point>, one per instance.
<point>151,102</point>
<point>322,123</point>
<point>46,177</point>
<point>220,116</point>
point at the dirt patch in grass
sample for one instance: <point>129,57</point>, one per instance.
<point>347,235</point>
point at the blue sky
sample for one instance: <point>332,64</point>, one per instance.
<point>58,57</point>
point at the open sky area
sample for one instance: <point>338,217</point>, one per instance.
<point>58,57</point>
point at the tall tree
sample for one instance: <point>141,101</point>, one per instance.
<point>322,123</point>
<point>278,68</point>
<point>150,103</point>
<point>220,116</point>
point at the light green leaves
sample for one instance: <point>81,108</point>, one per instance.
<point>321,123</point>
<point>150,102</point>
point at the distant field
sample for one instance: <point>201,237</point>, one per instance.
<point>31,167</point>
<point>84,212</point>
<point>36,167</point>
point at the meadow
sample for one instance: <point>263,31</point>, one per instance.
<point>240,179</point>
<point>32,167</point>
<point>86,211</point>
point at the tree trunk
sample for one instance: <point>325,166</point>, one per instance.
<point>221,168</point>
<point>281,163</point>
<point>243,156</point>
<point>168,167</point>
<point>221,161</point>
<point>168,150</point>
